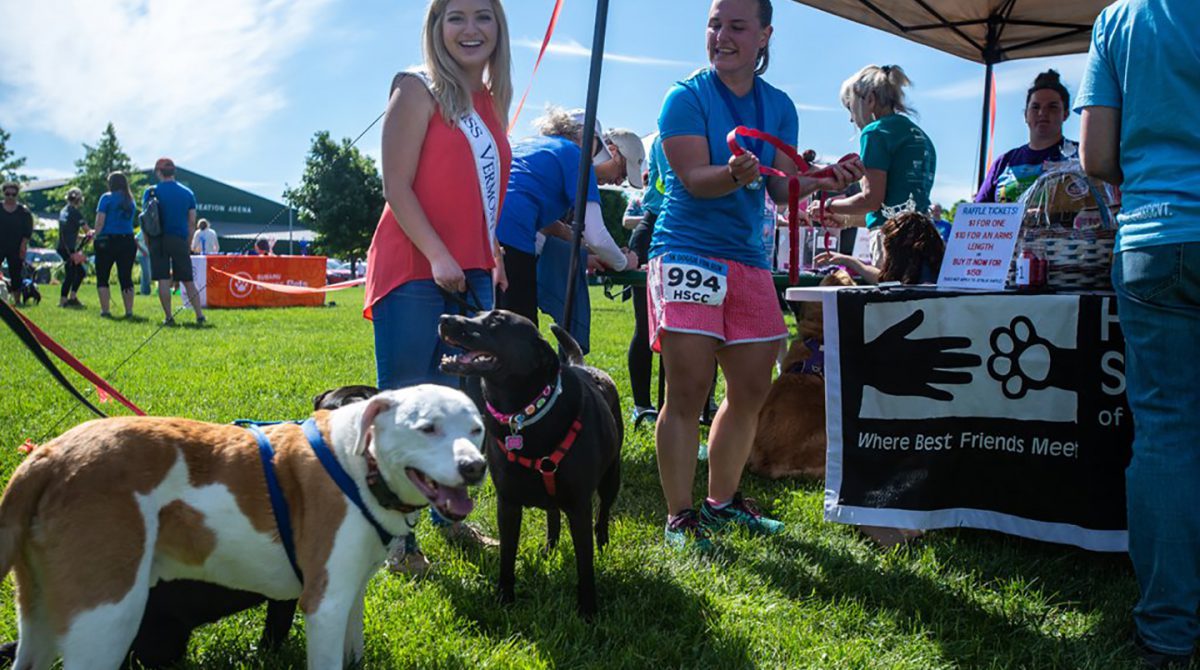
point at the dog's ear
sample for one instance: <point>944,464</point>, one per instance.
<point>320,398</point>
<point>374,407</point>
<point>569,351</point>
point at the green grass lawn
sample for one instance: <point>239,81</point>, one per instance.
<point>819,596</point>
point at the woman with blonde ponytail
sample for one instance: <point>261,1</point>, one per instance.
<point>445,163</point>
<point>899,156</point>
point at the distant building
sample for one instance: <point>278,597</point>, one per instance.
<point>238,216</point>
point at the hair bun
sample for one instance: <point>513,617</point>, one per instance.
<point>1047,79</point>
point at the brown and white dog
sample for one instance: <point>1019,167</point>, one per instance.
<point>95,517</point>
<point>791,439</point>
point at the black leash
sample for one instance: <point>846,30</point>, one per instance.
<point>26,336</point>
<point>464,303</point>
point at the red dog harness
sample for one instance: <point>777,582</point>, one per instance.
<point>793,182</point>
<point>547,465</point>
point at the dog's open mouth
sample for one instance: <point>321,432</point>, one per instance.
<point>452,502</point>
<point>469,363</point>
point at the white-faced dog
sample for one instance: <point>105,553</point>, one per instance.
<point>95,517</point>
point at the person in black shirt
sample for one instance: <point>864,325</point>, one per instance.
<point>16,227</point>
<point>70,224</point>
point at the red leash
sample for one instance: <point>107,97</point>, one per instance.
<point>66,357</point>
<point>545,43</point>
<point>793,182</point>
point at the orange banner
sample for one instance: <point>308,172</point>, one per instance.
<point>227,286</point>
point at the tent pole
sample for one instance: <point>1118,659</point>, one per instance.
<point>585,157</point>
<point>983,133</point>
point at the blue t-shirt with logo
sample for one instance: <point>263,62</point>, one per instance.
<point>1145,61</point>
<point>729,227</point>
<point>656,188</point>
<point>119,214</point>
<point>541,188</point>
<point>174,202</point>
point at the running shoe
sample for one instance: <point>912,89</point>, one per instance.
<point>741,511</point>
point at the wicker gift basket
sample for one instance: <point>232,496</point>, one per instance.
<point>1069,224</point>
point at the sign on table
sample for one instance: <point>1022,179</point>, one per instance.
<point>981,246</point>
<point>1000,411</point>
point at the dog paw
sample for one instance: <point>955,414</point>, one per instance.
<point>1020,358</point>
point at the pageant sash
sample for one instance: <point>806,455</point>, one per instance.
<point>486,155</point>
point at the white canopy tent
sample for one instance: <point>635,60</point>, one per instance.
<point>984,31</point>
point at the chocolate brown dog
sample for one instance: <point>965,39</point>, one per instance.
<point>554,434</point>
<point>177,607</point>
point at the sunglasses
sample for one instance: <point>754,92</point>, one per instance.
<point>9,194</point>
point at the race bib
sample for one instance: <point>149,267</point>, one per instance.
<point>694,279</point>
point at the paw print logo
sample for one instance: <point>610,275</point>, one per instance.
<point>1024,361</point>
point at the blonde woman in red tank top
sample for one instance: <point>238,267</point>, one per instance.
<point>432,241</point>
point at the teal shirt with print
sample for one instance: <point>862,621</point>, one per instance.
<point>899,147</point>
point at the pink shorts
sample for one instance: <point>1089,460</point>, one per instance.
<point>749,312</point>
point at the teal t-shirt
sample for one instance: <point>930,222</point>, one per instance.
<point>1145,61</point>
<point>899,147</point>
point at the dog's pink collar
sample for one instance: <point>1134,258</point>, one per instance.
<point>533,412</point>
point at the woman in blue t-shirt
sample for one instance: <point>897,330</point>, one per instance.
<point>541,188</point>
<point>710,289</point>
<point>114,243</point>
<point>899,156</point>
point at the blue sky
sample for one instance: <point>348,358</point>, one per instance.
<point>235,89</point>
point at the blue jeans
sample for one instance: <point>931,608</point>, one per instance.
<point>1158,294</point>
<point>144,262</point>
<point>407,346</point>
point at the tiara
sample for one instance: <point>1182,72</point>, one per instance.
<point>907,207</point>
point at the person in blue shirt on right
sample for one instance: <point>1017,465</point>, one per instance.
<point>711,294</point>
<point>1141,79</point>
<point>170,257</point>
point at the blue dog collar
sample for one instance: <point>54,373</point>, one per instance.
<point>279,506</point>
<point>341,477</point>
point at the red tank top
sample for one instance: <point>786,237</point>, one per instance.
<point>448,190</point>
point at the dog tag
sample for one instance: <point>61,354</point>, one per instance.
<point>514,443</point>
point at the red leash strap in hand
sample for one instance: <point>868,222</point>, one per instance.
<point>793,181</point>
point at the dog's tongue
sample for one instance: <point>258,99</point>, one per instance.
<point>455,501</point>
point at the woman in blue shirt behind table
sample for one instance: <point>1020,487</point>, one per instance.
<point>115,214</point>
<point>710,290</point>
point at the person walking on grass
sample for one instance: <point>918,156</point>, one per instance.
<point>445,165</point>
<point>1140,79</point>
<point>710,228</point>
<point>16,227</point>
<point>169,257</point>
<point>115,214</point>
<point>70,225</point>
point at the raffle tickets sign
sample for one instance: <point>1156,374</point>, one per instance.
<point>1003,412</point>
<point>981,246</point>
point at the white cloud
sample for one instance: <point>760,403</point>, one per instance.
<point>174,77</point>
<point>805,107</point>
<point>569,47</point>
<point>1011,78</point>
